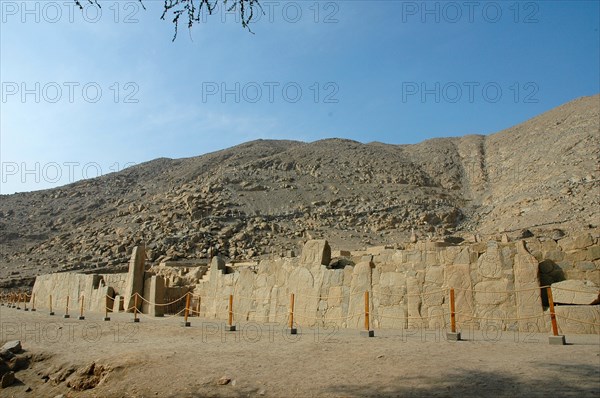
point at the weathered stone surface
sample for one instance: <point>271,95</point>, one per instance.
<point>491,292</point>
<point>411,290</point>
<point>217,265</point>
<point>458,276</point>
<point>393,317</point>
<point>413,293</point>
<point>135,278</point>
<point>61,285</point>
<point>392,288</point>
<point>361,282</point>
<point>568,317</point>
<point>305,286</point>
<point>436,318</point>
<point>574,292</point>
<point>528,299</point>
<point>154,293</point>
<point>580,241</point>
<point>434,274</point>
<point>7,380</point>
<point>593,253</point>
<point>13,346</point>
<point>433,295</point>
<point>118,303</point>
<point>316,252</point>
<point>489,264</point>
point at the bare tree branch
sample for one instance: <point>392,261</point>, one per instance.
<point>192,9</point>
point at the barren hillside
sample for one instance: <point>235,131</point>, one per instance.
<point>265,197</point>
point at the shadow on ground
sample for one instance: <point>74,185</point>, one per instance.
<point>562,381</point>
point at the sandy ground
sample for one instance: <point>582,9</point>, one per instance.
<point>162,358</point>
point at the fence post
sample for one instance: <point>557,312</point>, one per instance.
<point>25,302</point>
<point>51,312</point>
<point>368,332</point>
<point>81,317</point>
<point>555,339</point>
<point>106,317</point>
<point>32,302</point>
<point>67,309</point>
<point>135,305</point>
<point>453,334</point>
<point>187,310</point>
<point>18,301</point>
<point>230,326</point>
<point>293,330</point>
<point>198,306</point>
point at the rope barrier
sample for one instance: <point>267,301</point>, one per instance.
<point>411,294</point>
<point>164,304</point>
<point>254,315</point>
<point>161,318</point>
<point>253,298</point>
<point>415,317</point>
<point>571,290</point>
<point>578,320</point>
<point>15,300</point>
<point>324,318</point>
<point>331,297</point>
<point>504,292</point>
<point>501,319</point>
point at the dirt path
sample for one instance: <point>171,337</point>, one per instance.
<point>162,358</point>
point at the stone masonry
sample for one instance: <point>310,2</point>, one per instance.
<point>496,284</point>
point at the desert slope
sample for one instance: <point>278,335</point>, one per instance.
<point>268,196</point>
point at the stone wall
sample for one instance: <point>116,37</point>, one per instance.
<point>495,283</point>
<point>117,281</point>
<point>61,285</point>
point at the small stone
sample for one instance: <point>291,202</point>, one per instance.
<point>7,380</point>
<point>28,389</point>
<point>223,381</point>
<point>262,391</point>
<point>13,346</point>
<point>525,233</point>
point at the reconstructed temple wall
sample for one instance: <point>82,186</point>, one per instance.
<point>60,285</point>
<point>495,284</point>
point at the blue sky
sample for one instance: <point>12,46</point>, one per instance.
<point>87,94</point>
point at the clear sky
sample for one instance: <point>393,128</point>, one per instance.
<point>87,94</point>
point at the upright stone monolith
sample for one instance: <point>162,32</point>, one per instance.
<point>155,290</point>
<point>135,278</point>
<point>527,287</point>
<point>316,252</point>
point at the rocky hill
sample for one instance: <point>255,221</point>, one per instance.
<point>266,197</point>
